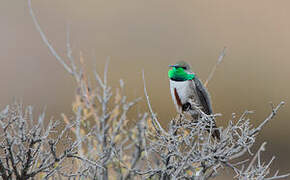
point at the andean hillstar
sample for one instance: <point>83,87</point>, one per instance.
<point>186,88</point>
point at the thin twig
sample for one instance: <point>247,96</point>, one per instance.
<point>262,148</point>
<point>271,116</point>
<point>154,118</point>
<point>222,55</point>
<point>45,40</point>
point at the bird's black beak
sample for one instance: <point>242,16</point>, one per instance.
<point>172,65</point>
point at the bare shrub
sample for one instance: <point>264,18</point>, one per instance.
<point>28,146</point>
<point>187,149</point>
<point>110,148</point>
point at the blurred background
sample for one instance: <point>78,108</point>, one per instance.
<point>149,35</point>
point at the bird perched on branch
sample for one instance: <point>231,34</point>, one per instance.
<point>186,89</point>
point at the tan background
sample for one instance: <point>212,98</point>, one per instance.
<point>149,35</point>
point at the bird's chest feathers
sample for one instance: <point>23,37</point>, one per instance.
<point>181,91</point>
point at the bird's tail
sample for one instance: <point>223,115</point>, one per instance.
<point>215,133</point>
<point>214,130</point>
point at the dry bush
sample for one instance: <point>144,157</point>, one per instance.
<point>28,146</point>
<point>106,146</point>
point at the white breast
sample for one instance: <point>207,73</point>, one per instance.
<point>185,90</point>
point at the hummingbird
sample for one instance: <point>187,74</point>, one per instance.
<point>185,88</point>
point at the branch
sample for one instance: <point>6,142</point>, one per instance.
<point>155,122</point>
<point>271,116</point>
<point>222,55</point>
<point>46,42</point>
<point>262,148</point>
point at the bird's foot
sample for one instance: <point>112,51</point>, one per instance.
<point>186,106</point>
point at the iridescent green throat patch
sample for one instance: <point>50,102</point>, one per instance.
<point>179,74</point>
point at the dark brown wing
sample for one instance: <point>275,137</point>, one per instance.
<point>203,96</point>
<point>206,103</point>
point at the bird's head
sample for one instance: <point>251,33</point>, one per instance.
<point>180,71</point>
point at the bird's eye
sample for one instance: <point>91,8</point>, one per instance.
<point>183,67</point>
